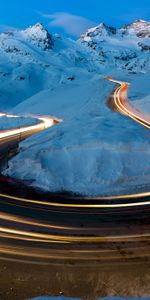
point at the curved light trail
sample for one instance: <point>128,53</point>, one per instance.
<point>124,107</point>
<point>82,205</point>
<point>43,123</point>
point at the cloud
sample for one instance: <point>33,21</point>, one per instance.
<point>71,24</point>
<point>6,28</point>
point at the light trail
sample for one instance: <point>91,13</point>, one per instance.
<point>76,239</point>
<point>22,221</point>
<point>124,107</point>
<point>82,255</point>
<point>44,123</point>
<point>76,205</point>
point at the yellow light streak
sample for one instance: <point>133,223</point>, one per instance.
<point>75,205</point>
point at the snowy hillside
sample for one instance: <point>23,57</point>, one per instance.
<point>32,60</point>
<point>94,151</point>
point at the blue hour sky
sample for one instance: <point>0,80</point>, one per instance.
<point>71,17</point>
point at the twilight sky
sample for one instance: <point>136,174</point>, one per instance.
<point>71,17</point>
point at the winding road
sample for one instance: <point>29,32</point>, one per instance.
<point>38,228</point>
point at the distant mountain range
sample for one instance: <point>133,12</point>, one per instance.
<point>127,47</point>
<point>32,59</point>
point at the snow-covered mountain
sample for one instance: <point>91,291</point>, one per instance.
<point>126,48</point>
<point>32,60</point>
<point>140,28</point>
<point>94,151</point>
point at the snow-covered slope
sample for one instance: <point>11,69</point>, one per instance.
<point>32,60</point>
<point>94,151</point>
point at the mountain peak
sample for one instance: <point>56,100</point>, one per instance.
<point>139,27</point>
<point>38,25</point>
<point>140,21</point>
<point>37,30</point>
<point>100,31</point>
<point>38,35</point>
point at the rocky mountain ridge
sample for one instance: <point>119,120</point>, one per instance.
<point>124,48</point>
